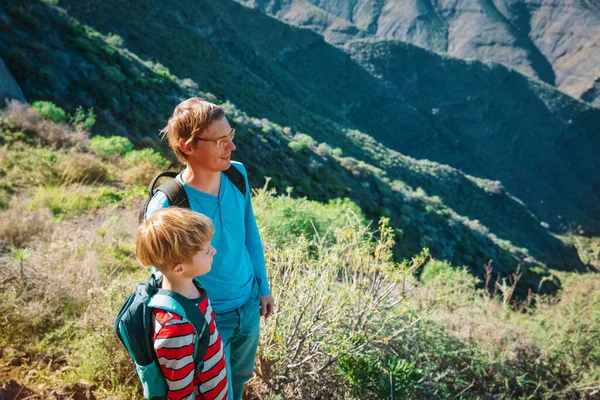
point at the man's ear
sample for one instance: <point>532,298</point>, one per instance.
<point>186,148</point>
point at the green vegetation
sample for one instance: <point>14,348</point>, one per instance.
<point>351,321</point>
<point>84,120</point>
<point>112,146</point>
<point>464,219</point>
<point>364,311</point>
<point>50,111</point>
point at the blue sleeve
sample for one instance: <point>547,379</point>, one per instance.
<point>254,243</point>
<point>158,201</point>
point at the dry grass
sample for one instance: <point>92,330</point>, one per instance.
<point>140,174</point>
<point>21,117</point>
<point>82,168</point>
<point>19,226</point>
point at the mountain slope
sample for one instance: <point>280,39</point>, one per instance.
<point>556,42</point>
<point>264,66</point>
<point>484,120</point>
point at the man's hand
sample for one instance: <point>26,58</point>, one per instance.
<point>267,305</point>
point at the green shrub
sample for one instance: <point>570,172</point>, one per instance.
<point>331,307</point>
<point>50,111</point>
<point>65,202</point>
<point>145,155</point>
<point>297,146</point>
<point>83,120</point>
<point>26,165</point>
<point>285,219</point>
<point>86,47</point>
<point>112,146</point>
<point>384,376</point>
<point>140,166</point>
<point>114,40</point>
<point>113,73</point>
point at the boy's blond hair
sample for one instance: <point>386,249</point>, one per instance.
<point>190,118</point>
<point>171,236</point>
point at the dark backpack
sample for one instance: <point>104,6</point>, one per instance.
<point>175,193</point>
<point>133,327</point>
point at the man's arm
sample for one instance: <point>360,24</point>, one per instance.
<point>257,255</point>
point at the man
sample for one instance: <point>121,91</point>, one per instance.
<point>237,284</point>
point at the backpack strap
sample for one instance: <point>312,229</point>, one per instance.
<point>175,193</point>
<point>173,190</point>
<point>236,177</point>
<point>181,305</point>
<point>169,174</point>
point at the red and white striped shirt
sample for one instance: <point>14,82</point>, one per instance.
<point>174,345</point>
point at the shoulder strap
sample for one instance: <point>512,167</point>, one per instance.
<point>175,193</point>
<point>152,183</point>
<point>172,189</point>
<point>174,302</point>
<point>236,177</point>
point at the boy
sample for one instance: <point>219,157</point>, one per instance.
<point>178,243</point>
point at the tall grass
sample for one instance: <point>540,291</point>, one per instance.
<point>350,323</point>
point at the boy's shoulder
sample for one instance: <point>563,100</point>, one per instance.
<point>165,316</point>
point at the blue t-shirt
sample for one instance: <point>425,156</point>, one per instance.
<point>240,257</point>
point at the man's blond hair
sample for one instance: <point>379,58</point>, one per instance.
<point>190,118</point>
<point>171,236</point>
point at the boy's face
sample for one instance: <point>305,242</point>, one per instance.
<point>201,263</point>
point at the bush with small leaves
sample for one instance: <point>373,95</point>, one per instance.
<point>50,111</point>
<point>111,146</point>
<point>140,166</point>
<point>82,120</point>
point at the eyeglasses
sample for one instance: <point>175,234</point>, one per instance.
<point>221,142</point>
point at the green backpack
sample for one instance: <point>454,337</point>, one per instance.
<point>133,327</point>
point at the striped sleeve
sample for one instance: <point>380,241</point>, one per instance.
<point>213,378</point>
<point>174,347</point>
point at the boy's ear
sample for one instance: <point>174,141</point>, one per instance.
<point>177,269</point>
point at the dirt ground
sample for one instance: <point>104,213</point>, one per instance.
<point>18,371</point>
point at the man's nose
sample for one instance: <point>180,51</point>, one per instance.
<point>231,145</point>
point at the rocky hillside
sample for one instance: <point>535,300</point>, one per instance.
<point>506,152</point>
<point>557,42</point>
<point>484,120</point>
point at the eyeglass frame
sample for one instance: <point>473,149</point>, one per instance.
<point>220,142</point>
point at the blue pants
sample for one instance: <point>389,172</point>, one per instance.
<point>240,329</point>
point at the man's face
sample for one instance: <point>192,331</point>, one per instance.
<point>205,153</point>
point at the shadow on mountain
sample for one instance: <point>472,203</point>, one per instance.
<point>468,223</point>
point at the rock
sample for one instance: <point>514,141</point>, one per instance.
<point>13,390</point>
<point>557,42</point>
<point>5,20</point>
<point>9,89</point>
<point>11,352</point>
